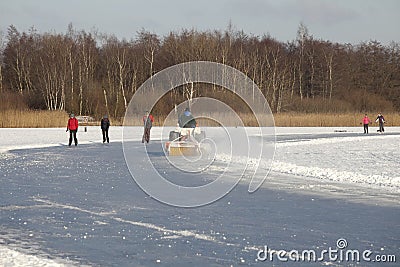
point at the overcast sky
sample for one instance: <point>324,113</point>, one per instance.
<point>343,21</point>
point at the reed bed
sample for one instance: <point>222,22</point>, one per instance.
<point>330,119</point>
<point>49,119</point>
<point>32,119</point>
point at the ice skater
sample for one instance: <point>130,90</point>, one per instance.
<point>72,126</point>
<point>381,121</point>
<point>147,123</point>
<point>186,120</point>
<point>366,121</point>
<point>105,125</point>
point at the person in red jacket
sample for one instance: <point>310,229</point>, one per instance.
<point>147,123</point>
<point>72,126</point>
<point>366,121</point>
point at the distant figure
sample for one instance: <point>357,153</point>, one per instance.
<point>186,120</point>
<point>72,126</point>
<point>366,121</point>
<point>104,125</point>
<point>147,123</point>
<point>381,121</point>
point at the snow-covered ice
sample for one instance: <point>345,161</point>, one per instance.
<point>345,157</point>
<point>69,206</point>
<point>336,154</point>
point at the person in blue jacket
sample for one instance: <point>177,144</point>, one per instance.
<point>186,120</point>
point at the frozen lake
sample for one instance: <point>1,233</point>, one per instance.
<point>80,205</point>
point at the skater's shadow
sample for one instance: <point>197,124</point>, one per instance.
<point>156,153</point>
<point>155,149</point>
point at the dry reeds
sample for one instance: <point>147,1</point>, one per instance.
<point>293,120</point>
<point>330,119</point>
<point>46,119</point>
<point>32,119</point>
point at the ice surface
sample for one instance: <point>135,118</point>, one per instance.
<point>347,156</point>
<point>65,205</point>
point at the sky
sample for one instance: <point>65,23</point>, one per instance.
<point>342,21</point>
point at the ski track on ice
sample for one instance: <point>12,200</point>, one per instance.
<point>9,257</point>
<point>168,233</point>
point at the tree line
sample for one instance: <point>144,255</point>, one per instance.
<point>92,73</point>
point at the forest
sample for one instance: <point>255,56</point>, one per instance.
<point>92,73</point>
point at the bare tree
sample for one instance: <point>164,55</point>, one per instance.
<point>76,72</point>
<point>302,36</point>
<point>2,46</point>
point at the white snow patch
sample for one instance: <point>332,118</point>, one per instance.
<point>371,160</point>
<point>10,257</point>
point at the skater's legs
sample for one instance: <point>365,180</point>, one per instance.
<point>146,136</point>
<point>365,128</point>
<point>381,129</point>
<point>75,139</point>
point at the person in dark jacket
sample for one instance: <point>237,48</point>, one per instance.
<point>105,125</point>
<point>72,126</point>
<point>147,123</point>
<point>381,121</point>
<point>186,120</point>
